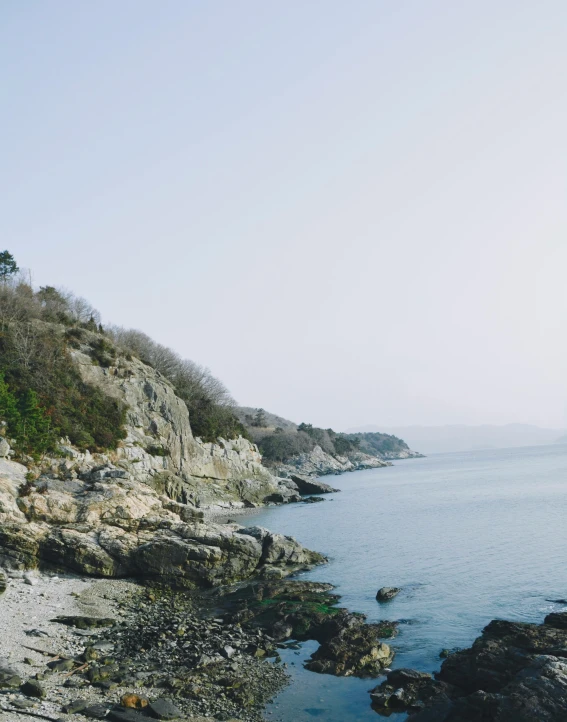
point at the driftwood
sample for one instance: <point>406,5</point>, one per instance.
<point>41,651</point>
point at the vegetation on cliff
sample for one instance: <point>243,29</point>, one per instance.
<point>280,440</point>
<point>42,395</point>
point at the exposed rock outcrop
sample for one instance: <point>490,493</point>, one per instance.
<point>514,672</point>
<point>107,523</point>
<point>318,463</point>
<point>160,448</point>
<point>311,486</point>
<point>306,610</point>
<point>384,594</point>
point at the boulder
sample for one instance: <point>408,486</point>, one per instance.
<point>9,678</point>
<point>312,486</point>
<point>164,709</point>
<point>514,672</point>
<point>32,688</point>
<point>386,593</point>
<point>117,527</point>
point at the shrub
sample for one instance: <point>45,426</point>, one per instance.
<point>42,396</point>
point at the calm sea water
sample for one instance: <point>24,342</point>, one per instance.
<point>469,537</point>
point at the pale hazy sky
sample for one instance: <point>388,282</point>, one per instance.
<point>352,212</point>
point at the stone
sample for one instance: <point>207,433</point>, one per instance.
<point>85,622</point>
<point>557,620</point>
<point>32,688</point>
<point>95,711</point>
<point>76,705</point>
<point>61,665</point>
<point>9,678</point>
<point>165,709</point>
<point>133,701</point>
<point>121,714</point>
<point>3,581</point>
<point>312,486</point>
<point>386,593</point>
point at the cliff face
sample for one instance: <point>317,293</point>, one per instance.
<point>160,449</point>
<point>133,511</point>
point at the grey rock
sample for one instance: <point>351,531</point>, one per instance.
<point>32,688</point>
<point>9,678</point>
<point>165,709</point>
<point>386,593</point>
<point>557,620</point>
<point>76,705</point>
<point>122,714</point>
<point>63,665</point>
<point>312,486</point>
<point>96,711</point>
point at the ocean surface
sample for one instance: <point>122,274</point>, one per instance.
<point>468,536</point>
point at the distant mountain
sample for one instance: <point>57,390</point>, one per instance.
<point>438,439</point>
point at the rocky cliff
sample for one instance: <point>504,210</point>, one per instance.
<point>318,463</point>
<point>160,450</point>
<point>134,510</point>
<point>106,523</point>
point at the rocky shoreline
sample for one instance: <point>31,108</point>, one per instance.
<point>514,672</point>
<point>115,649</point>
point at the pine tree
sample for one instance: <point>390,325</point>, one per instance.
<point>34,425</point>
<point>8,265</point>
<point>9,412</point>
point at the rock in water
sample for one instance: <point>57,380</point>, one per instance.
<point>312,486</point>
<point>514,672</point>
<point>386,593</point>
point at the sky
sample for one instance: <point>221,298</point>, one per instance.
<point>352,213</point>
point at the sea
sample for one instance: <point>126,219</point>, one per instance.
<point>468,537</point>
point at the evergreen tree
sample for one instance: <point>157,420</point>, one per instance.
<point>8,265</point>
<point>34,425</point>
<point>9,412</point>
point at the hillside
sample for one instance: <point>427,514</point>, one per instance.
<point>289,447</point>
<point>100,470</point>
<point>440,439</point>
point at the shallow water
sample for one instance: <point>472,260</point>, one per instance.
<point>468,536</point>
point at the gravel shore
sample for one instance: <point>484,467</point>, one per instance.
<point>28,605</point>
<point>162,645</point>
